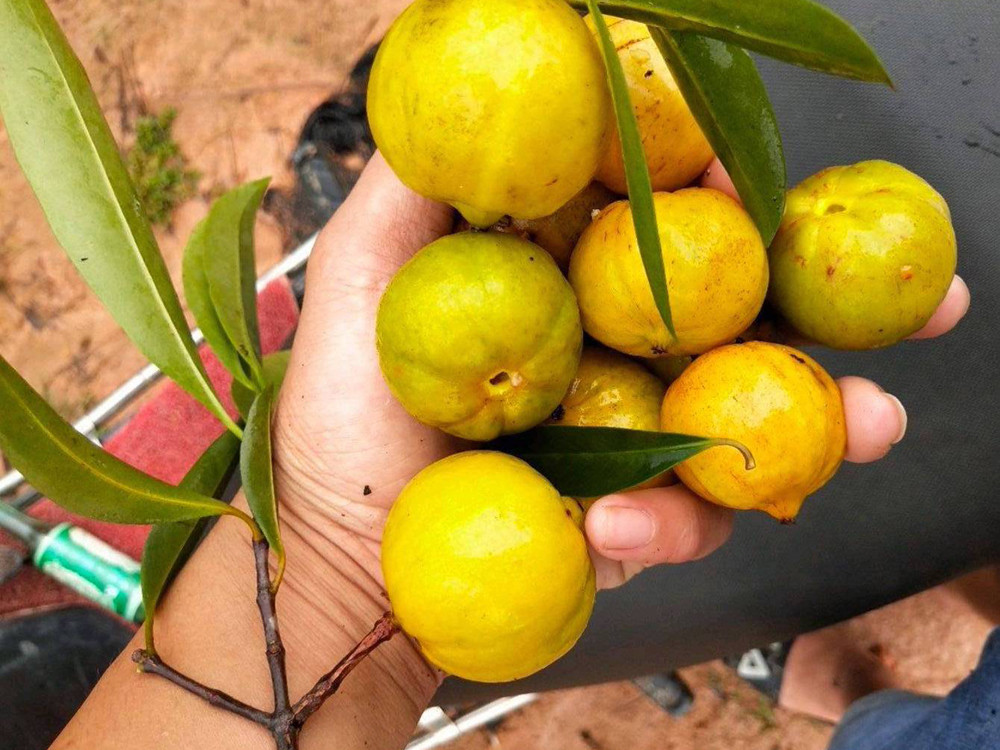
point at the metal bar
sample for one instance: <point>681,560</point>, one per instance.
<point>443,730</point>
<point>91,423</point>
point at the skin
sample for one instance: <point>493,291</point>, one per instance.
<point>677,152</point>
<point>479,335</point>
<point>776,401</point>
<point>459,540</point>
<point>330,441</point>
<point>864,256</point>
<point>438,64</point>
<point>716,270</point>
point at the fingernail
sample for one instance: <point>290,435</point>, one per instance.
<point>624,528</point>
<point>903,419</point>
<point>968,295</point>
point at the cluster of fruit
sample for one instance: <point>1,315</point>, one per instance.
<point>501,108</point>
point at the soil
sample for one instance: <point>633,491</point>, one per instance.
<point>243,76</point>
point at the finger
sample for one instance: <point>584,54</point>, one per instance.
<point>876,420</point>
<point>717,178</point>
<point>950,311</point>
<point>662,525</point>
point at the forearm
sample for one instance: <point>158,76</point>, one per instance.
<point>208,628</point>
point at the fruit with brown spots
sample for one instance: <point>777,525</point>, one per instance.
<point>776,401</point>
<point>677,151</point>
<point>863,257</point>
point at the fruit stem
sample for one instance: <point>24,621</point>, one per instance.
<point>748,458</point>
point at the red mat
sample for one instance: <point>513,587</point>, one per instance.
<point>164,439</point>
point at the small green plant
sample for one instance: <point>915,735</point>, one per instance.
<point>158,167</point>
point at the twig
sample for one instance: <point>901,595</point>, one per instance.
<point>285,735</point>
<point>154,665</point>
<point>285,721</point>
<point>272,637</point>
<point>384,629</point>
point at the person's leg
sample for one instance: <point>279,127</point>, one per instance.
<point>826,672</point>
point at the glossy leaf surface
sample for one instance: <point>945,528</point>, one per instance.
<point>595,461</point>
<point>721,85</point>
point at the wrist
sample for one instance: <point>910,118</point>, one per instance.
<point>328,601</point>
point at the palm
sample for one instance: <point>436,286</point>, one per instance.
<point>356,442</point>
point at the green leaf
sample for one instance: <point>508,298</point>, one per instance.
<point>275,367</point>
<point>169,545</point>
<point>74,473</point>
<point>640,189</point>
<point>229,268</point>
<point>721,85</point>
<point>199,301</point>
<point>258,478</point>
<point>66,150</point>
<point>801,32</point>
<point>595,461</point>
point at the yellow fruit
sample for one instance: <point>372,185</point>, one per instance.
<point>611,390</point>
<point>716,268</point>
<point>864,256</point>
<point>677,152</point>
<point>494,106</point>
<point>559,233</point>
<point>486,567</point>
<point>780,404</point>
<point>479,335</point>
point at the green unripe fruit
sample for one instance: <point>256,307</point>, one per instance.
<point>479,335</point>
<point>863,257</point>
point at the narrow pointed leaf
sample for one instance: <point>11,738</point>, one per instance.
<point>258,477</point>
<point>727,96</point>
<point>74,473</point>
<point>64,146</point>
<point>640,189</point>
<point>275,367</point>
<point>594,461</point>
<point>228,263</point>
<point>801,32</point>
<point>169,545</point>
<point>199,301</point>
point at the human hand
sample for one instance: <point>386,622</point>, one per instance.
<point>344,447</point>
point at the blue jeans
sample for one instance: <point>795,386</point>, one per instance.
<point>967,719</point>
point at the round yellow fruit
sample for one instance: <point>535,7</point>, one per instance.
<point>611,390</point>
<point>716,269</point>
<point>487,568</point>
<point>863,257</point>
<point>495,106</point>
<point>559,232</point>
<point>677,151</point>
<point>479,335</point>
<point>777,402</point>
